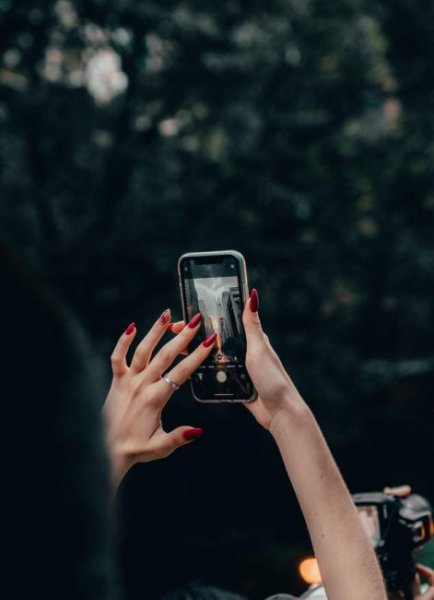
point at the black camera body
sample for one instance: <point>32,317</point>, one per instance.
<point>396,527</point>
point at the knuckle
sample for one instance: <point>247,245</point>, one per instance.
<point>251,362</point>
<point>250,359</point>
<point>114,359</point>
<point>156,396</point>
<point>140,352</point>
<point>281,387</point>
<point>182,373</point>
<point>255,351</point>
<point>186,335</point>
<point>165,452</point>
<point>196,358</point>
<point>166,354</point>
<point>139,360</point>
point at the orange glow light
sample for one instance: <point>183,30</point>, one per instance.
<point>309,571</point>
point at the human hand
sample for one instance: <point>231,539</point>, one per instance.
<point>276,391</point>
<point>402,491</point>
<point>139,393</point>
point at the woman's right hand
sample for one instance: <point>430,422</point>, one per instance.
<point>276,391</point>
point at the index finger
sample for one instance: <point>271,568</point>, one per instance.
<point>165,357</point>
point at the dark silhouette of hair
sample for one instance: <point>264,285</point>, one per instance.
<point>56,475</point>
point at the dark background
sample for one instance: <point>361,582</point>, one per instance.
<point>297,132</point>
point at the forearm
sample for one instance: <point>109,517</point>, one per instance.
<point>118,457</point>
<point>119,468</point>
<point>347,562</point>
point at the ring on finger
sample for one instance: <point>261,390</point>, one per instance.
<point>172,384</point>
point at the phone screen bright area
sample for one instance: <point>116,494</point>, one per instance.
<point>214,289</point>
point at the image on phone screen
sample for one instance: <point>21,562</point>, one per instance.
<point>215,290</point>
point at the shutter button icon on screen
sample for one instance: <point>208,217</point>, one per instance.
<point>221,376</point>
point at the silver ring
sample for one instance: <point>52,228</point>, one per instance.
<point>172,384</point>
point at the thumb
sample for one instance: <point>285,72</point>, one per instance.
<point>251,321</point>
<point>178,437</point>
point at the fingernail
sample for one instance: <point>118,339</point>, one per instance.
<point>129,330</point>
<point>193,434</point>
<point>195,321</point>
<point>170,326</point>
<point>209,340</point>
<point>254,301</point>
<point>164,317</point>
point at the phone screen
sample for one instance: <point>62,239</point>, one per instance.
<point>212,285</point>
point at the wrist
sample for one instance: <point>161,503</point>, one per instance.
<point>292,414</point>
<point>121,463</point>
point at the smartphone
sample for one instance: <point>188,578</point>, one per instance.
<point>215,284</point>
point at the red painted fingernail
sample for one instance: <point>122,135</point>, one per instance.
<point>195,321</point>
<point>170,326</point>
<point>131,327</point>
<point>193,434</point>
<point>209,340</point>
<point>254,301</point>
<point>164,317</point>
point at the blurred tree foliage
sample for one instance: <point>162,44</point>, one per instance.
<point>299,132</point>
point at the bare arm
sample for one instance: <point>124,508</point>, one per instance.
<point>346,559</point>
<point>347,562</point>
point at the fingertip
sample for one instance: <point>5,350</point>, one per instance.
<point>192,434</point>
<point>130,329</point>
<point>194,322</point>
<point>254,301</point>
<point>250,313</point>
<point>165,317</point>
<point>118,356</point>
<point>210,340</point>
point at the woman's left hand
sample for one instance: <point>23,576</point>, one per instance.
<point>139,393</point>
